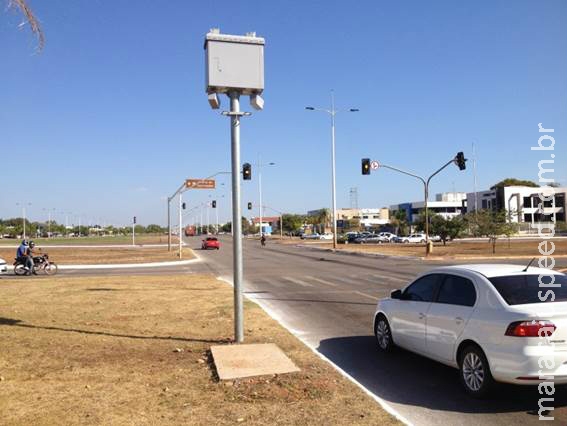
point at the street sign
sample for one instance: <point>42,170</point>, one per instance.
<point>374,165</point>
<point>200,184</point>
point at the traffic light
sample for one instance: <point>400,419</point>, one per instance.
<point>247,171</point>
<point>460,160</point>
<point>183,206</point>
<point>134,220</point>
<point>249,206</point>
<point>366,166</point>
<point>214,204</point>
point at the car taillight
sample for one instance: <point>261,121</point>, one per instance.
<point>535,328</point>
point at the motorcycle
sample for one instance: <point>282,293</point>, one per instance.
<point>41,263</point>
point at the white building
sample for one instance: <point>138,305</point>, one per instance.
<point>521,203</point>
<point>447,205</point>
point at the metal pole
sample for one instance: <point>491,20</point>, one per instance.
<point>426,190</point>
<point>133,233</point>
<point>24,220</point>
<point>236,215</point>
<point>281,227</point>
<point>260,190</point>
<point>333,169</point>
<point>49,224</point>
<point>217,214</point>
<point>208,217</point>
<point>168,224</point>
<point>180,223</point>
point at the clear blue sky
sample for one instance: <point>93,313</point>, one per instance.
<point>111,116</point>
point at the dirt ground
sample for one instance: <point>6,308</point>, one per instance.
<point>140,239</point>
<point>89,256</point>
<point>135,350</point>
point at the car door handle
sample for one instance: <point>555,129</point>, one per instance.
<point>421,315</point>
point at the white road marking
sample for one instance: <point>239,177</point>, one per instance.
<point>296,281</point>
<point>390,277</point>
<point>366,295</point>
<point>319,280</point>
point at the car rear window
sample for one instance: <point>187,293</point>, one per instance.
<point>526,289</point>
<point>211,239</point>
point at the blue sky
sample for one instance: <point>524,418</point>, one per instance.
<point>112,116</point>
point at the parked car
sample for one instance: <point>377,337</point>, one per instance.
<point>372,239</point>
<point>391,237</point>
<point>310,237</point>
<point>326,236</point>
<point>210,243</point>
<point>3,267</point>
<point>492,322</point>
<point>413,238</point>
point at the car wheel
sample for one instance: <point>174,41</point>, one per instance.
<point>383,334</point>
<point>406,241</point>
<point>474,372</point>
<point>422,241</point>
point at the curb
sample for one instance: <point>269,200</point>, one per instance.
<point>383,403</point>
<point>131,265</point>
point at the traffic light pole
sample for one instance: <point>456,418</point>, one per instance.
<point>426,196</point>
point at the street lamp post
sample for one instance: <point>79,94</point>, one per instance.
<point>24,216</point>
<point>332,112</point>
<point>260,165</point>
<point>281,219</point>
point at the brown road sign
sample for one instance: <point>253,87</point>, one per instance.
<point>200,184</point>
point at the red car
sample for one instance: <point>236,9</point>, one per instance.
<point>210,243</point>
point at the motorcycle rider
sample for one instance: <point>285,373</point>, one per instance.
<point>24,256</point>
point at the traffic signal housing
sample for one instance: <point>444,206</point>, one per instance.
<point>249,206</point>
<point>460,160</point>
<point>214,204</point>
<point>246,171</point>
<point>366,166</point>
<point>183,206</point>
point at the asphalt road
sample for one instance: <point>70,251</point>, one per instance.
<point>328,300</point>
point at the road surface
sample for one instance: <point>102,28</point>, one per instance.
<point>328,300</point>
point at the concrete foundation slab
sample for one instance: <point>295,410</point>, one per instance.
<point>238,361</point>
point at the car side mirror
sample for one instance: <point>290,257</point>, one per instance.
<point>396,294</point>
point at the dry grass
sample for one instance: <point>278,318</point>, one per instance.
<point>142,239</point>
<point>479,249</point>
<point>88,256</point>
<point>135,350</point>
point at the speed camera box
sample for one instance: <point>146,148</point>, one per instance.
<point>234,63</point>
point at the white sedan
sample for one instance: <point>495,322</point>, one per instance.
<point>492,322</point>
<point>3,267</point>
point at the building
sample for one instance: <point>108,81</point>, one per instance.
<point>521,203</point>
<point>269,223</point>
<point>447,205</point>
<point>369,218</point>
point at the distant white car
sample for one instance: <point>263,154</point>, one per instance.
<point>492,322</point>
<point>327,236</point>
<point>3,267</point>
<point>311,237</point>
<point>413,238</point>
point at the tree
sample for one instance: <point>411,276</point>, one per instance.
<point>400,221</point>
<point>25,10</point>
<point>491,224</point>
<point>351,225</point>
<point>514,182</point>
<point>292,222</point>
<point>447,228</point>
<point>155,229</point>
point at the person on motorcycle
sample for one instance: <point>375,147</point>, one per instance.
<point>263,240</point>
<point>24,256</point>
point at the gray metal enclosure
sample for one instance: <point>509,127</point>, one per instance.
<point>234,63</point>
